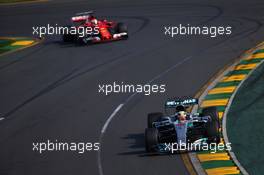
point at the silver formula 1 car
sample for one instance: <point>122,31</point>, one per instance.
<point>166,129</point>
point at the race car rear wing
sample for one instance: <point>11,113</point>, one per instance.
<point>181,102</point>
<point>85,13</point>
<point>82,16</point>
<point>79,18</point>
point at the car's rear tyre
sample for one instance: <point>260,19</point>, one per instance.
<point>122,28</point>
<point>80,40</point>
<point>213,126</point>
<point>152,117</point>
<point>67,37</point>
<point>151,139</point>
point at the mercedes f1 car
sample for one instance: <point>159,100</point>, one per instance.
<point>167,129</point>
<point>93,30</point>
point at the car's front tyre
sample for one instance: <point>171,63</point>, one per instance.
<point>213,126</point>
<point>153,117</point>
<point>151,139</point>
<point>66,36</point>
<point>122,28</point>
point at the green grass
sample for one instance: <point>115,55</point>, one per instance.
<point>14,1</point>
<point>4,43</point>
<point>245,123</point>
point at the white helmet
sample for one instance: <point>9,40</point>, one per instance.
<point>182,114</point>
<point>94,21</point>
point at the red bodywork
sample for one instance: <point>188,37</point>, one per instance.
<point>103,26</point>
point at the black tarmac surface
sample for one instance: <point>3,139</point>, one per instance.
<point>50,91</point>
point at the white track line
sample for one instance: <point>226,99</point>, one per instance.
<point>119,107</point>
<point>99,162</point>
<point>111,117</point>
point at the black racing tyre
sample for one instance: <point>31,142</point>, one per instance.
<point>67,37</point>
<point>151,139</point>
<point>213,126</point>
<point>81,40</point>
<point>122,28</point>
<point>152,117</point>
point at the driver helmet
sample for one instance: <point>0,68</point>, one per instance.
<point>94,21</point>
<point>182,115</point>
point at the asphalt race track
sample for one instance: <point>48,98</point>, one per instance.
<point>50,91</point>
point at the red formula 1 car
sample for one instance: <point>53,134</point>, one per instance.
<point>85,29</point>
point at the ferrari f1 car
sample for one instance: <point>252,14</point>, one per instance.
<point>168,129</point>
<point>85,28</point>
